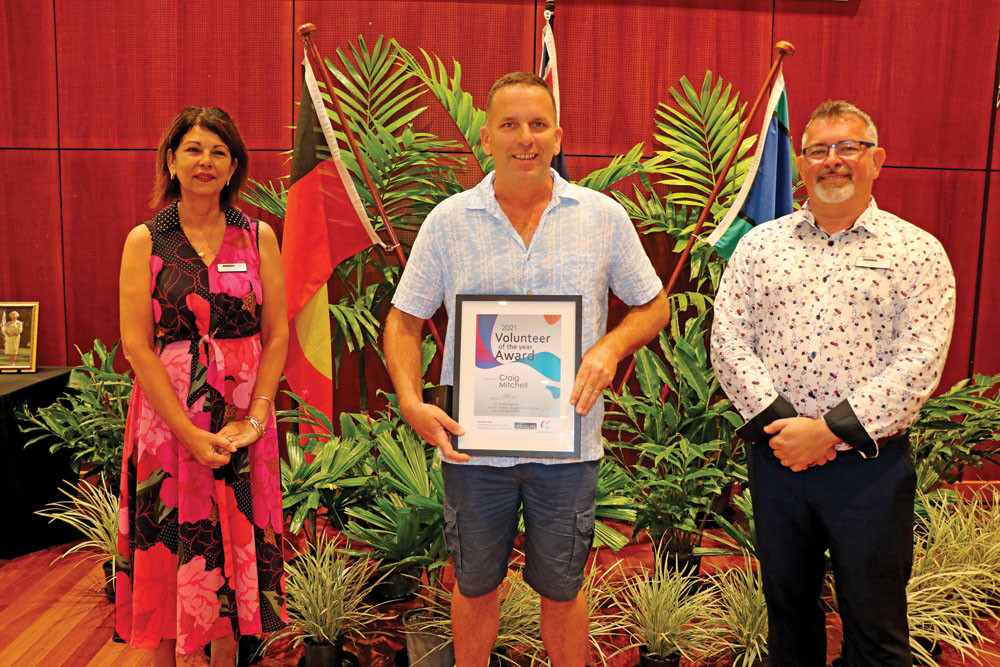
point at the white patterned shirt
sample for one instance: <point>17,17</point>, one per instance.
<point>853,327</point>
<point>584,244</point>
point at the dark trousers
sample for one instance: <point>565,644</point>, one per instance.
<point>862,511</point>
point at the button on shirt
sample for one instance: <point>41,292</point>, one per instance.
<point>859,320</point>
<point>584,244</point>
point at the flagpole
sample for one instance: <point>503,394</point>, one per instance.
<point>784,49</point>
<point>305,30</point>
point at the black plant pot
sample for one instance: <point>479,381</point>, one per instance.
<point>109,580</point>
<point>648,660</point>
<point>397,587</point>
<point>327,655</point>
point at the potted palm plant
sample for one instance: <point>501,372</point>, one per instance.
<point>667,619</point>
<point>336,477</point>
<point>404,523</point>
<point>326,592</point>
<point>93,510</point>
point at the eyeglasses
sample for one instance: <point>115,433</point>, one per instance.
<point>846,149</point>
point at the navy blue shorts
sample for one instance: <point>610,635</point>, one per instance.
<point>480,509</point>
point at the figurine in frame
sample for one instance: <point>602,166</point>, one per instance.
<point>19,331</point>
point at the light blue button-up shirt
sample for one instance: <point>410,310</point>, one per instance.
<point>584,244</point>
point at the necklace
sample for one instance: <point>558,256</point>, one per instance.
<point>201,244</point>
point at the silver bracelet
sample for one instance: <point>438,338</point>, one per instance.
<point>270,403</point>
<point>257,426</point>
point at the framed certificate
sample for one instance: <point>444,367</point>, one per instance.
<point>516,359</point>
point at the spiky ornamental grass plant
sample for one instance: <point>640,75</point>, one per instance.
<point>741,617</point>
<point>664,612</point>
<point>92,510</point>
<point>956,575</point>
<point>519,629</point>
<point>326,592</point>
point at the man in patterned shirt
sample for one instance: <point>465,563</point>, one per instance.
<point>831,329</point>
<point>522,230</point>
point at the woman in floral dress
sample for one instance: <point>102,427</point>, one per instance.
<point>204,326</point>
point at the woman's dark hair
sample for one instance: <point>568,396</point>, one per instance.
<point>166,189</point>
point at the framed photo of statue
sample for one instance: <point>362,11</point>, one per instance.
<point>516,358</point>
<point>18,336</point>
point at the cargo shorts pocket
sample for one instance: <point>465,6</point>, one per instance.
<point>582,541</point>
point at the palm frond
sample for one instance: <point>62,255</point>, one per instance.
<point>697,138</point>
<point>267,196</point>
<point>458,103</point>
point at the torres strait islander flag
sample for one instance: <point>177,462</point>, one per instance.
<point>325,223</point>
<point>766,193</point>
<point>547,70</point>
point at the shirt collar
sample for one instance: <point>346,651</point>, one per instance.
<point>168,218</point>
<point>485,196</point>
<point>870,219</point>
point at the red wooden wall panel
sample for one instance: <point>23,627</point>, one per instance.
<point>32,244</point>
<point>27,75</point>
<point>923,70</point>
<point>104,195</point>
<point>948,204</point>
<point>617,61</point>
<point>988,329</point>
<point>126,68</point>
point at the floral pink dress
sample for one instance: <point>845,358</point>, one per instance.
<point>199,550</point>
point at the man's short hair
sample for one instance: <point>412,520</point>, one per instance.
<point>839,109</point>
<point>519,79</point>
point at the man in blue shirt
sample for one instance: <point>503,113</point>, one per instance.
<point>522,230</point>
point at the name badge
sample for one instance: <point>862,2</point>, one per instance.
<point>873,262</point>
<point>234,267</point>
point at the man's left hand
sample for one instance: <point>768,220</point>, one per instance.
<point>801,442</point>
<point>597,370</point>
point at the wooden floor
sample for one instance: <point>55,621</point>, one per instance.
<point>56,614</point>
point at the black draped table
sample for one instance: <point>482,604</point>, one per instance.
<point>30,478</point>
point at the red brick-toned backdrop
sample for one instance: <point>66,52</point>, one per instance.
<point>90,85</point>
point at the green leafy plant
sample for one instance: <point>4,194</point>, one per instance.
<point>697,136</point>
<point>613,503</point>
<point>959,429</point>
<point>88,421</point>
<point>680,431</point>
<point>736,538</point>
